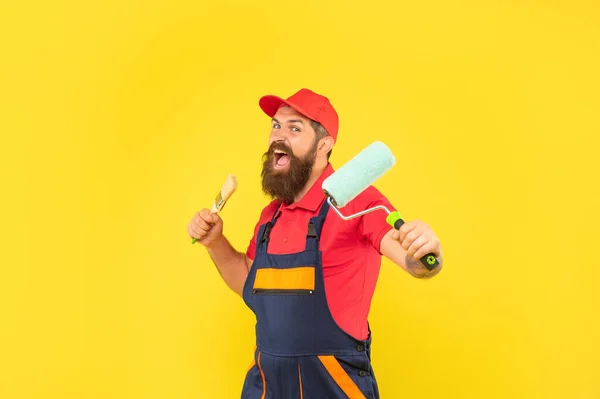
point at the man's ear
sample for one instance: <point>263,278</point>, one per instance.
<point>325,145</point>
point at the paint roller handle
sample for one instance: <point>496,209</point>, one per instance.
<point>430,261</point>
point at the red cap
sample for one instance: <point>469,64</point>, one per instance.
<point>308,103</point>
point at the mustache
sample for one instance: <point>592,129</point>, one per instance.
<point>278,145</point>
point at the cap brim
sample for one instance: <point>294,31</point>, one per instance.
<point>270,104</point>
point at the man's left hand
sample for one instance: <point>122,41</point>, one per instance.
<point>417,239</point>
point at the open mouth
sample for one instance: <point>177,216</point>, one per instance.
<point>281,158</point>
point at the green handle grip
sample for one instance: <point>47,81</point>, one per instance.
<point>429,261</point>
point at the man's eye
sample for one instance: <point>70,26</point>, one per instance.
<point>276,126</point>
<point>295,129</point>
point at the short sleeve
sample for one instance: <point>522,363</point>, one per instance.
<point>373,226</point>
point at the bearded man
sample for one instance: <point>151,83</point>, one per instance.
<point>308,275</point>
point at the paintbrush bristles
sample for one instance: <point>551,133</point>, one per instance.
<point>226,192</point>
<point>229,187</point>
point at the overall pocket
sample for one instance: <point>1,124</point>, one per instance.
<point>280,291</point>
<point>294,281</point>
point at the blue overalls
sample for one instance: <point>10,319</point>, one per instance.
<point>301,352</point>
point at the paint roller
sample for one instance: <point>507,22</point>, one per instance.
<point>356,175</point>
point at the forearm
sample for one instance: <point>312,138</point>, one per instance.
<point>230,263</point>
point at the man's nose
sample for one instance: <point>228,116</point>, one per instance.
<point>278,136</point>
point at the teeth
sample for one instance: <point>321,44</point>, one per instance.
<point>280,152</point>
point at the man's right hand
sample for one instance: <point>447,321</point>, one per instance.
<point>205,226</point>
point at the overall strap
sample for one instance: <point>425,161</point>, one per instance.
<point>264,234</point>
<point>315,226</point>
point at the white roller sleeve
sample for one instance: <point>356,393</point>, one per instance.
<point>358,173</point>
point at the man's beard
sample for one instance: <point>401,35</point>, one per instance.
<point>285,185</point>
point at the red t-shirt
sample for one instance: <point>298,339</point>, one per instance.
<point>351,256</point>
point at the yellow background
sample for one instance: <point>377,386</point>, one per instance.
<point>119,120</point>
